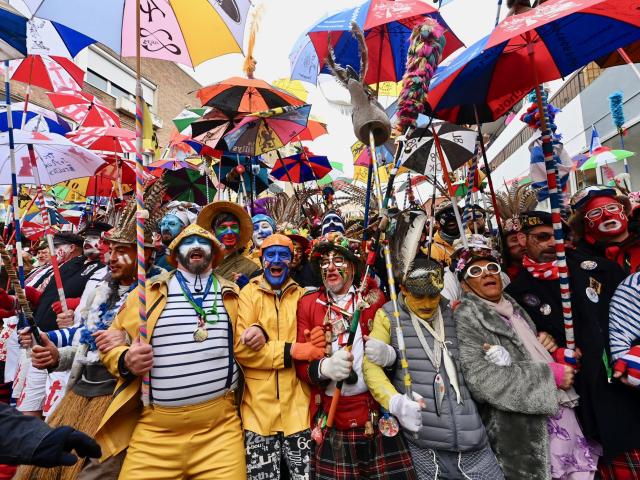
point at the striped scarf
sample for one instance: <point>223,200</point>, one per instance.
<point>542,271</point>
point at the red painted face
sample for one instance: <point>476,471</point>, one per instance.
<point>604,218</point>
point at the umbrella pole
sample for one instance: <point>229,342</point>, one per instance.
<point>628,61</point>
<point>432,213</point>
<point>367,199</point>
<point>494,202</point>
<point>141,213</point>
<point>27,95</point>
<point>556,218</point>
<point>44,213</point>
<point>14,178</point>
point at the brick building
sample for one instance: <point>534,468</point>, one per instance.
<point>166,88</point>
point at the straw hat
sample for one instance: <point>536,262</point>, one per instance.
<point>208,214</point>
<point>197,230</point>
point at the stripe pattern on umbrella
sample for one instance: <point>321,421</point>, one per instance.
<point>300,168</point>
<point>84,108</point>
<point>108,139</point>
<point>420,152</point>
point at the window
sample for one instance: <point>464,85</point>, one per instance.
<point>117,91</point>
<point>97,81</point>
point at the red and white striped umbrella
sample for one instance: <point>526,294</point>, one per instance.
<point>84,108</point>
<point>51,73</point>
<point>107,139</point>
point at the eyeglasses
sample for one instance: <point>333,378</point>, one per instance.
<point>541,237</point>
<point>596,213</point>
<point>338,262</point>
<point>475,271</point>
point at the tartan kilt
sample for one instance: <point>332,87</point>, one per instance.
<point>623,467</point>
<point>352,455</point>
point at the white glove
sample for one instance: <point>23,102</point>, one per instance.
<point>406,411</point>
<point>379,352</point>
<point>498,354</point>
<point>338,366</point>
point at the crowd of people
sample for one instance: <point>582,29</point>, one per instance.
<point>273,351</point>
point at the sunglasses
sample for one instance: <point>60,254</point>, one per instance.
<point>541,237</point>
<point>475,271</point>
<point>596,213</point>
<point>338,262</point>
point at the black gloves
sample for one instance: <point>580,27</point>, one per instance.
<point>54,449</point>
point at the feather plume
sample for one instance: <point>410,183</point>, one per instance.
<point>340,73</point>
<point>249,65</point>
<point>362,50</point>
<point>514,202</point>
<point>616,104</point>
<point>425,52</point>
<point>406,240</point>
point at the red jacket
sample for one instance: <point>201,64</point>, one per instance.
<point>311,314</point>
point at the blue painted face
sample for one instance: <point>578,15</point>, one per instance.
<point>276,260</point>
<point>170,228</point>
<point>261,230</point>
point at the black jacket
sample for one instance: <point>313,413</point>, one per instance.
<point>20,436</point>
<point>75,274</point>
<point>609,412</point>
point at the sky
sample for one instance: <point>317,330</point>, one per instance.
<point>283,21</point>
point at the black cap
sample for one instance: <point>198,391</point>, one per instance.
<point>95,228</point>
<point>68,238</point>
<point>537,218</point>
<point>41,245</point>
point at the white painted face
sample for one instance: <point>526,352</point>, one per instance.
<point>261,230</point>
<point>63,252</point>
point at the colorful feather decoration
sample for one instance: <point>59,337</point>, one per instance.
<point>425,52</point>
<point>617,112</point>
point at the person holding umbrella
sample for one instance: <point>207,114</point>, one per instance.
<point>608,410</point>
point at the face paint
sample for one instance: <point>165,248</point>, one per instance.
<point>261,230</point>
<point>121,265</point>
<point>423,307</point>
<point>276,261</point>
<point>448,223</point>
<point>195,254</point>
<point>170,228</point>
<point>228,233</point>
<point>332,222</point>
<point>604,219</point>
<point>297,255</point>
<point>63,252</point>
<point>91,247</point>
<point>337,272</point>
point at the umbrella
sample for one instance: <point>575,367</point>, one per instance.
<point>171,164</point>
<point>458,146</point>
<point>186,117</point>
<point>212,127</point>
<point>245,95</point>
<point>387,26</point>
<point>50,38</point>
<point>188,186</point>
<point>84,108</point>
<point>170,30</point>
<point>230,162</point>
<point>604,158</point>
<point>362,155</point>
<point>59,159</point>
<point>302,167</point>
<point>108,139</point>
<point>561,37</point>
<point>49,72</point>
<point>265,131</point>
<point>117,168</point>
<point>314,129</point>
<point>13,35</point>
<point>37,119</point>
<point>294,87</point>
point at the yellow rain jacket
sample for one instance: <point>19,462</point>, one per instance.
<point>274,400</point>
<point>441,251</point>
<point>121,417</point>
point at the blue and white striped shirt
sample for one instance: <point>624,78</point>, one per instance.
<point>624,316</point>
<point>184,371</point>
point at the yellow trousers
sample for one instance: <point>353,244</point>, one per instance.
<point>197,442</point>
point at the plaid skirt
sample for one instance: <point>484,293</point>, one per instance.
<point>623,467</point>
<point>352,455</point>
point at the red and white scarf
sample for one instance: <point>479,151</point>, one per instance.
<point>543,271</point>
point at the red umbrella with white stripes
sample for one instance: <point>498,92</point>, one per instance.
<point>108,139</point>
<point>84,108</point>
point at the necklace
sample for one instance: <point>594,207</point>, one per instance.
<point>201,334</point>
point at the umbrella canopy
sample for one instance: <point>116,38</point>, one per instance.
<point>186,117</point>
<point>212,127</point>
<point>556,38</point>
<point>85,187</point>
<point>604,158</point>
<point>300,168</point>
<point>108,139</point>
<point>387,26</point>
<point>188,185</point>
<point>117,168</point>
<point>171,30</point>
<point>50,38</point>
<point>313,130</point>
<point>420,151</point>
<point>172,164</point>
<point>48,72</point>
<point>265,131</point>
<point>59,159</point>
<point>84,108</point>
<point>362,155</point>
<point>13,35</point>
<point>245,95</point>
<point>37,119</point>
<point>229,162</point>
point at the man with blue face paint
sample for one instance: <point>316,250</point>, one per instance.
<point>176,218</point>
<point>275,404</point>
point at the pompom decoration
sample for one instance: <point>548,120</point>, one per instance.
<point>426,45</point>
<point>617,112</point>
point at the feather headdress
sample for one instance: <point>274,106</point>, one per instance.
<point>409,226</point>
<point>513,203</point>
